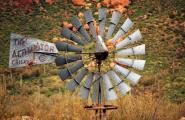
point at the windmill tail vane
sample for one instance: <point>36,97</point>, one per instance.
<point>24,50</point>
<point>91,63</point>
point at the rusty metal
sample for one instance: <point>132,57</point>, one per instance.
<point>100,110</point>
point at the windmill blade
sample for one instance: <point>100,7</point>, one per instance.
<point>68,59</point>
<point>110,93</point>
<point>123,87</point>
<point>97,95</point>
<point>101,93</point>
<point>100,45</point>
<point>131,76</point>
<point>137,50</point>
<point>67,33</point>
<point>78,25</point>
<point>72,85</point>
<point>90,21</point>
<point>124,28</point>
<point>63,46</point>
<point>102,19</point>
<point>138,64</point>
<point>130,39</point>
<point>85,89</point>
<point>67,72</point>
<point>114,21</point>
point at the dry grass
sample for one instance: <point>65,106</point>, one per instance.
<point>67,107</point>
<point>146,107</point>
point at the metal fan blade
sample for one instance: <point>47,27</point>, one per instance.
<point>68,59</point>
<point>67,72</point>
<point>130,39</point>
<point>138,64</point>
<point>67,33</point>
<point>102,19</point>
<point>100,45</point>
<point>78,25</point>
<point>85,89</point>
<point>90,21</point>
<point>63,46</point>
<point>110,93</point>
<point>72,85</point>
<point>95,87</point>
<point>124,28</point>
<point>97,95</point>
<point>131,76</point>
<point>138,50</point>
<point>123,87</point>
<point>114,21</point>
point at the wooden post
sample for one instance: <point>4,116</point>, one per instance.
<point>3,86</point>
<point>21,82</point>
<point>38,94</point>
<point>44,69</point>
<point>11,77</point>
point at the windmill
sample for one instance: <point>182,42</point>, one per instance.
<point>98,63</point>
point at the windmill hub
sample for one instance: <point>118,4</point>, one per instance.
<point>101,55</point>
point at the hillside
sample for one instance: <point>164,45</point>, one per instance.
<point>162,24</point>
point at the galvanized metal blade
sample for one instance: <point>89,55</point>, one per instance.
<point>90,21</point>
<point>67,72</point>
<point>110,93</point>
<point>124,28</point>
<point>67,33</point>
<point>114,21</point>
<point>63,46</point>
<point>95,88</point>
<point>85,89</point>
<point>138,50</point>
<point>100,45</point>
<point>102,19</point>
<point>131,76</point>
<point>130,39</point>
<point>135,63</point>
<point>78,25</point>
<point>68,59</point>
<point>98,94</point>
<point>73,84</point>
<point>123,87</point>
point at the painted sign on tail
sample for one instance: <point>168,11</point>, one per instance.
<point>26,50</point>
